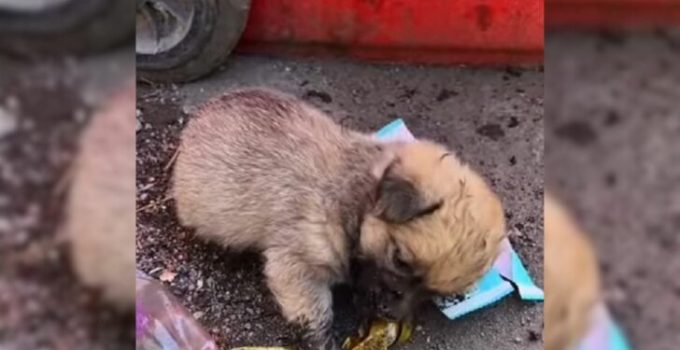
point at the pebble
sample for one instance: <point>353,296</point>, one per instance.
<point>518,340</point>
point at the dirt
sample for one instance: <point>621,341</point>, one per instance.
<point>43,108</point>
<point>613,131</point>
<point>225,291</point>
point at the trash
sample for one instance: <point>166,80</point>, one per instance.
<point>167,276</point>
<point>507,274</point>
<point>604,333</point>
<point>262,348</point>
<point>381,335</point>
<point>163,323</point>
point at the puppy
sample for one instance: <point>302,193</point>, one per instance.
<point>263,170</point>
<point>100,220</point>
<point>572,282</point>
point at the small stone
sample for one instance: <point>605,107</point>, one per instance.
<point>199,284</point>
<point>138,125</point>
<point>138,112</point>
<point>189,110</point>
<point>167,276</point>
<point>198,314</point>
<point>518,340</point>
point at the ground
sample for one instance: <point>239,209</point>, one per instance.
<point>43,108</point>
<point>613,125</point>
<point>492,118</point>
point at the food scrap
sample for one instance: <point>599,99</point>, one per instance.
<point>381,335</point>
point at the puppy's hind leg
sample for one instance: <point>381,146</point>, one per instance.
<point>303,298</point>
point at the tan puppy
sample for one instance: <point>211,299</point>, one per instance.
<point>572,282</point>
<point>100,221</point>
<point>263,170</point>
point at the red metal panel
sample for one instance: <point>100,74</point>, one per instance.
<point>420,31</point>
<point>611,13</point>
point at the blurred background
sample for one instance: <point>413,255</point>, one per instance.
<point>61,61</point>
<point>612,154</point>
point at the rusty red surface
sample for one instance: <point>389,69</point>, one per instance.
<point>420,31</point>
<point>613,14</point>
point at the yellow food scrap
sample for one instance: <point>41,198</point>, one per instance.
<point>263,348</point>
<point>381,335</point>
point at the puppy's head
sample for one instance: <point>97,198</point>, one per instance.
<point>436,226</point>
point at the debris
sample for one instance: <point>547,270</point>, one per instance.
<point>381,335</point>
<point>167,276</point>
<point>263,348</point>
<point>518,340</point>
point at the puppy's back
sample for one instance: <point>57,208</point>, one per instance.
<point>250,162</point>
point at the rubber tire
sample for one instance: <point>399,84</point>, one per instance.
<point>77,27</point>
<point>216,29</point>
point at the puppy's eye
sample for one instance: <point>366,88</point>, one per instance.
<point>430,209</point>
<point>401,264</point>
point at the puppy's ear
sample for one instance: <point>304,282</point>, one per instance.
<point>398,200</point>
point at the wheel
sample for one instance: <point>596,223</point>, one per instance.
<point>38,27</point>
<point>182,40</point>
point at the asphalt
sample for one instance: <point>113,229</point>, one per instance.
<point>492,117</point>
<point>612,154</point>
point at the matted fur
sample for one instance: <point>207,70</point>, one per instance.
<point>263,170</point>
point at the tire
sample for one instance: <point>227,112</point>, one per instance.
<point>182,40</point>
<point>68,27</point>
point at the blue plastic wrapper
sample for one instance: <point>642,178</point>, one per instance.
<point>604,333</point>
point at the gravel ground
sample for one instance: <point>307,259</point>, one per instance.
<point>613,131</point>
<point>43,108</point>
<point>493,118</point>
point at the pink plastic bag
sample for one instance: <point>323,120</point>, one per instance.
<point>162,323</point>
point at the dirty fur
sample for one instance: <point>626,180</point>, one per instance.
<point>262,170</point>
<point>572,281</point>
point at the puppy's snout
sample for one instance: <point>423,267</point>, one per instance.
<point>394,304</point>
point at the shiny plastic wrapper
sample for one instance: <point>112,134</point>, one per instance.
<point>163,323</point>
